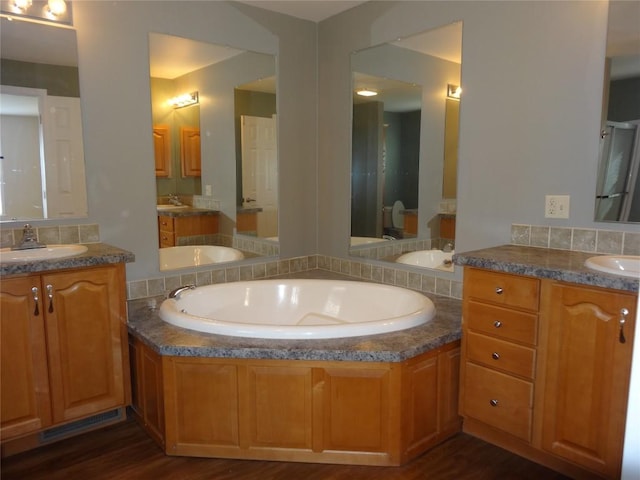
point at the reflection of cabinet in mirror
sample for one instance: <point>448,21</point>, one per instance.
<point>172,230</point>
<point>162,150</point>
<point>190,152</point>
<point>448,227</point>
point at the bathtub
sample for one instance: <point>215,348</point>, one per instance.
<point>436,259</point>
<point>297,309</point>
<point>196,255</point>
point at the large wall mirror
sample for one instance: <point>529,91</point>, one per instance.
<point>215,150</point>
<point>405,145</point>
<point>618,181</point>
<point>42,174</point>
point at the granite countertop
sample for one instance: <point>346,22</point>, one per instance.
<point>96,254</point>
<point>563,265</point>
<point>188,212</point>
<point>166,339</point>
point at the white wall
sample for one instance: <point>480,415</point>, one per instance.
<point>530,112</point>
<point>114,84</point>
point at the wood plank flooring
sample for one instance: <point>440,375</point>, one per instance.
<point>125,452</point>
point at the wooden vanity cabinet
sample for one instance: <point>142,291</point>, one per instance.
<point>587,369</point>
<point>171,228</point>
<point>544,371</point>
<point>499,350</point>
<point>162,150</point>
<point>63,348</point>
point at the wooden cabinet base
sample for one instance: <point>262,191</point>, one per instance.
<point>367,413</point>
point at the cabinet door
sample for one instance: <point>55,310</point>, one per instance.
<point>162,150</point>
<point>86,346</point>
<point>190,151</point>
<point>24,381</point>
<point>587,380</point>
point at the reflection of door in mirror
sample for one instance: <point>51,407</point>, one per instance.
<point>260,172</point>
<point>405,140</point>
<point>42,174</point>
<point>618,181</point>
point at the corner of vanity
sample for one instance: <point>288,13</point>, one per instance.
<point>546,357</point>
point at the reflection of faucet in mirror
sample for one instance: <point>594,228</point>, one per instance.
<point>617,197</point>
<point>174,199</point>
<point>404,143</point>
<point>448,247</point>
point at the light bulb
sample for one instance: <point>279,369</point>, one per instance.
<point>57,7</point>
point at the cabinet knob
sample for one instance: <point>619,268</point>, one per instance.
<point>493,402</point>
<point>495,356</point>
<point>499,290</point>
<point>497,324</point>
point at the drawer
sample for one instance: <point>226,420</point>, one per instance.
<point>502,322</point>
<point>500,354</point>
<point>502,289</point>
<point>499,400</point>
<point>165,223</point>
<point>167,240</point>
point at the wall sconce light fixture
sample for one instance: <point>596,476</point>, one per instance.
<point>184,100</point>
<point>366,92</point>
<point>454,91</point>
<point>50,11</point>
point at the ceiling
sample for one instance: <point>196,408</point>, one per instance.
<point>313,10</point>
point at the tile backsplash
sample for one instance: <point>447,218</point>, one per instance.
<point>577,239</point>
<point>86,233</point>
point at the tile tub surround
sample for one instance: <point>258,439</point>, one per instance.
<point>146,325</point>
<point>563,265</point>
<point>96,254</point>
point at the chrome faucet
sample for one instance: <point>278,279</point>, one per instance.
<point>388,237</point>
<point>174,199</point>
<point>448,247</point>
<point>29,239</point>
<point>176,292</point>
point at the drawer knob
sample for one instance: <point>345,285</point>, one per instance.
<point>497,324</point>
<point>493,402</point>
<point>499,290</point>
<point>495,356</point>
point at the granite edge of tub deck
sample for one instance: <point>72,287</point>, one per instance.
<point>169,340</point>
<point>546,263</point>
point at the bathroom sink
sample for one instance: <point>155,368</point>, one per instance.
<point>625,265</point>
<point>167,208</point>
<point>49,252</point>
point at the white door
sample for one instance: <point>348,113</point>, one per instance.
<point>64,164</point>
<point>260,171</point>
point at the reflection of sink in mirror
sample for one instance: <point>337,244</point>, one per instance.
<point>436,259</point>
<point>366,240</point>
<point>625,265</point>
<point>196,255</point>
<point>49,252</point>
<point>168,208</point>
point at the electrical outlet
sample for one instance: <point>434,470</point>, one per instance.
<point>556,206</point>
<point>207,190</point>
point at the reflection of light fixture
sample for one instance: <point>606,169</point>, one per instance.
<point>366,92</point>
<point>454,91</point>
<point>22,5</point>
<point>56,8</point>
<point>184,100</point>
<point>54,11</point>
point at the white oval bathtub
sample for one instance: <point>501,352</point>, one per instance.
<point>295,309</point>
<point>196,255</point>
<point>436,259</point>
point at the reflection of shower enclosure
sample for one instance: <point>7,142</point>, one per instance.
<point>617,195</point>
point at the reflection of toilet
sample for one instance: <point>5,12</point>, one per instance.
<point>397,218</point>
<point>393,220</point>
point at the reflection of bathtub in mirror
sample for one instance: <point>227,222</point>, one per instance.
<point>196,255</point>
<point>435,259</point>
<point>366,240</point>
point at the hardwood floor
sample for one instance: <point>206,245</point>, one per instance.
<point>125,452</point>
